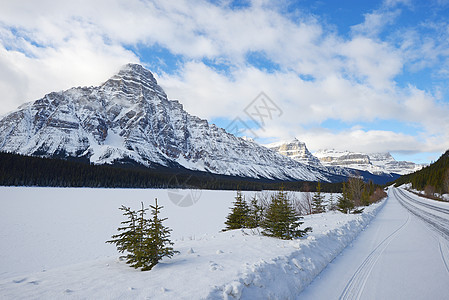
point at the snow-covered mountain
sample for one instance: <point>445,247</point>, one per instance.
<point>347,159</point>
<point>376,163</point>
<point>129,117</point>
<point>386,161</point>
<point>296,150</point>
<point>344,162</point>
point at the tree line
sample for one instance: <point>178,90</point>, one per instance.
<point>432,179</point>
<point>279,214</point>
<point>20,170</point>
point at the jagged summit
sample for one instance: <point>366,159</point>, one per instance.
<point>297,150</point>
<point>130,118</point>
<point>134,79</point>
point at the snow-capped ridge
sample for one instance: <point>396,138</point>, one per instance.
<point>376,163</point>
<point>344,162</point>
<point>129,117</point>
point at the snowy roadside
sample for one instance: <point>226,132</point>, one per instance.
<point>235,264</point>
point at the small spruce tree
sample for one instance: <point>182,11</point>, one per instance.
<point>146,241</point>
<point>238,217</point>
<point>318,200</point>
<point>365,196</point>
<point>344,203</point>
<point>281,220</point>
<point>126,241</point>
<point>158,242</point>
<point>255,213</point>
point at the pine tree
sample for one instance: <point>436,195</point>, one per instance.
<point>158,244</point>
<point>239,215</point>
<point>139,255</point>
<point>281,220</point>
<point>317,201</point>
<point>365,196</point>
<point>255,213</point>
<point>126,241</point>
<point>344,203</point>
<point>146,241</point>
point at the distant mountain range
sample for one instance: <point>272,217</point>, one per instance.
<point>129,118</point>
<point>375,163</point>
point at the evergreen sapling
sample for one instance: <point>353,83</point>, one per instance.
<point>145,241</point>
<point>158,242</point>
<point>281,220</point>
<point>255,213</point>
<point>239,215</point>
<point>318,201</point>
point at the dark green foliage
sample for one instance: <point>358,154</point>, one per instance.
<point>357,193</point>
<point>435,175</point>
<point>365,197</point>
<point>19,170</point>
<point>317,201</point>
<point>145,241</point>
<point>255,213</point>
<point>239,215</point>
<point>158,243</point>
<point>344,202</point>
<point>281,220</point>
<point>126,240</point>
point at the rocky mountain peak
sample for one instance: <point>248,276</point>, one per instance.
<point>135,80</point>
<point>130,118</point>
<point>297,150</point>
<point>136,71</point>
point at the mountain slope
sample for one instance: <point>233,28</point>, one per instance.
<point>130,118</point>
<point>435,175</point>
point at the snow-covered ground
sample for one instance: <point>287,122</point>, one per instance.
<point>403,254</point>
<point>52,246</point>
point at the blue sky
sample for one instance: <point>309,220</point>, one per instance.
<point>368,76</point>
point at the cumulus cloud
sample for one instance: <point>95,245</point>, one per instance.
<point>318,75</point>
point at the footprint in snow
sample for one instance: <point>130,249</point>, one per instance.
<point>214,267</point>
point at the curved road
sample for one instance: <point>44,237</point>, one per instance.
<point>402,254</point>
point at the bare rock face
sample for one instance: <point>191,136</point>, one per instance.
<point>342,158</point>
<point>296,150</point>
<point>130,117</point>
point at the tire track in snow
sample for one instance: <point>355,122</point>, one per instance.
<point>444,250</point>
<point>355,286</point>
<point>437,208</point>
<point>438,223</point>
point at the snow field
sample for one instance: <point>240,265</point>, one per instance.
<point>53,247</point>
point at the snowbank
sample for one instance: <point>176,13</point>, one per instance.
<point>235,264</point>
<point>285,276</point>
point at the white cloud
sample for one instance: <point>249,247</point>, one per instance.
<point>375,22</point>
<point>53,45</point>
